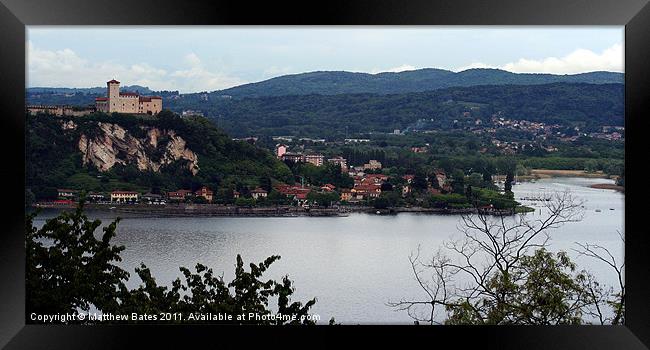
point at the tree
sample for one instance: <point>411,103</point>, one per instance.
<point>614,297</point>
<point>458,181</point>
<point>510,178</point>
<point>265,183</point>
<point>500,272</point>
<point>420,181</point>
<point>76,271</point>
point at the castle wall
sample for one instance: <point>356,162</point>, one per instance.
<point>128,102</point>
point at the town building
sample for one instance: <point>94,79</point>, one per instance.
<point>328,187</point>
<point>315,159</point>
<point>295,192</point>
<point>152,198</point>
<point>408,178</point>
<point>346,194</point>
<point>377,179</point>
<point>96,197</point>
<point>66,193</point>
<point>179,195</point>
<point>205,193</point>
<point>294,157</point>
<point>127,102</point>
<point>124,196</point>
<point>372,165</point>
<point>191,112</point>
<point>340,161</point>
<point>419,149</point>
<point>366,191</point>
<point>259,193</point>
<point>280,150</point>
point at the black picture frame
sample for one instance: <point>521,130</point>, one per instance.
<point>16,14</point>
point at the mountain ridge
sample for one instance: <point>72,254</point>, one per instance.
<point>426,79</point>
<point>343,82</point>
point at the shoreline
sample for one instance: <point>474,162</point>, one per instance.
<point>609,187</point>
<point>214,210</point>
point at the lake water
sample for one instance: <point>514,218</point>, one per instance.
<point>353,265</point>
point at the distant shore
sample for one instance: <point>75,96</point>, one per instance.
<point>536,174</point>
<point>207,210</point>
<point>546,173</point>
<point>609,187</point>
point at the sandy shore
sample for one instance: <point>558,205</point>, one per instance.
<point>609,187</point>
<point>546,173</point>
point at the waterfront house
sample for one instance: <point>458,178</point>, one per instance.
<point>205,193</point>
<point>152,198</point>
<point>179,195</point>
<point>406,189</point>
<point>259,193</point>
<point>124,196</point>
<point>66,193</point>
<point>365,191</point>
<point>346,194</point>
<point>96,197</point>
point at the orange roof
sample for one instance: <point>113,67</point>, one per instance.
<point>113,82</point>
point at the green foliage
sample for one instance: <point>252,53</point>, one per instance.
<point>202,292</point>
<point>75,270</point>
<point>544,290</point>
<point>387,200</point>
<point>324,199</point>
<point>68,269</point>
<point>321,175</point>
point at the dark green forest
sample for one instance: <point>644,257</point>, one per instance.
<point>328,116</point>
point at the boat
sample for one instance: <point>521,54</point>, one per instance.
<point>598,210</point>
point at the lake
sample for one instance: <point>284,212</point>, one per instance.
<point>353,265</point>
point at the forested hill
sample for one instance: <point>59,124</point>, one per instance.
<point>102,153</point>
<point>567,104</point>
<point>341,82</point>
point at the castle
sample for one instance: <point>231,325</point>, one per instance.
<point>127,102</point>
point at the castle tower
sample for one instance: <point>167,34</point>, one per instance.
<point>113,88</point>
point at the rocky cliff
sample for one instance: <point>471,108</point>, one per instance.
<point>112,144</point>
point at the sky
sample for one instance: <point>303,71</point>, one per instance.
<point>194,59</point>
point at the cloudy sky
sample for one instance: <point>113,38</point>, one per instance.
<point>191,59</point>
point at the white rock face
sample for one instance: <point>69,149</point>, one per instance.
<point>114,145</point>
